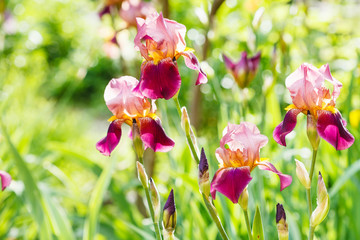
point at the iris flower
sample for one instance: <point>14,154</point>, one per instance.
<point>311,97</point>
<point>243,71</point>
<point>238,155</point>
<point>5,179</point>
<point>129,107</point>
<point>161,42</point>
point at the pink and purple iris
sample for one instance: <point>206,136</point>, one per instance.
<point>129,107</point>
<point>310,96</point>
<point>244,71</point>
<point>161,42</point>
<point>238,155</point>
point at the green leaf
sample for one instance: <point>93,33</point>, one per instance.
<point>32,193</point>
<point>257,228</point>
<point>96,200</point>
<point>349,172</point>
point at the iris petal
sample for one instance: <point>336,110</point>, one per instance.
<point>230,182</point>
<point>108,143</point>
<point>285,180</point>
<point>5,179</point>
<point>286,126</point>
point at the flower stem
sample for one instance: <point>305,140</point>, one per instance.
<point>187,133</point>
<point>308,192</point>
<point>215,217</point>
<point>247,224</point>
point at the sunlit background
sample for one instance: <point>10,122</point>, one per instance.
<point>56,57</point>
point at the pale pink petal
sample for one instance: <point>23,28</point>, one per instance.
<point>286,126</point>
<point>153,135</point>
<point>121,99</point>
<point>230,182</point>
<point>192,62</point>
<point>332,128</point>
<point>325,70</point>
<point>132,9</point>
<point>108,143</point>
<point>5,179</point>
<point>285,180</point>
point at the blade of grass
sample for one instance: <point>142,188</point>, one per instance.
<point>32,192</point>
<point>96,200</point>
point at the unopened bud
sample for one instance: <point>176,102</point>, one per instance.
<point>323,204</point>
<point>204,183</point>
<point>155,199</point>
<point>281,224</point>
<point>302,174</point>
<point>243,199</point>
<point>185,121</point>
<point>169,213</point>
<point>138,144</point>
<point>142,174</point>
<point>312,131</point>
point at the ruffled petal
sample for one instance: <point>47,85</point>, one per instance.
<point>5,179</point>
<point>192,62</point>
<point>325,70</point>
<point>108,143</point>
<point>332,128</point>
<point>285,180</point>
<point>286,126</point>
<point>230,182</point>
<point>153,136</point>
<point>160,80</point>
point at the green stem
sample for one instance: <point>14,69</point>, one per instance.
<point>215,217</point>
<point>247,224</point>
<point>311,233</point>
<point>152,213</point>
<point>308,191</point>
<point>187,133</point>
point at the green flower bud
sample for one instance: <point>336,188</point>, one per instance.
<point>142,174</point>
<point>302,174</point>
<point>323,204</point>
<point>243,199</point>
<point>155,199</point>
<point>312,131</point>
<point>138,144</point>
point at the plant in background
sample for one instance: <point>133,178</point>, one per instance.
<point>238,155</point>
<point>243,71</point>
<point>130,108</point>
<point>161,42</point>
<point>5,179</point>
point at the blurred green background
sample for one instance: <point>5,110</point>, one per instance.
<point>56,59</point>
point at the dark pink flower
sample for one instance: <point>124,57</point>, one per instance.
<point>129,107</point>
<point>244,71</point>
<point>5,179</point>
<point>161,42</point>
<point>238,155</point>
<point>310,96</point>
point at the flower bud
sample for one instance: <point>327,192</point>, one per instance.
<point>142,174</point>
<point>155,199</point>
<point>244,198</point>
<point>204,183</point>
<point>323,204</point>
<point>302,174</point>
<point>312,131</point>
<point>281,224</point>
<point>138,144</point>
<point>169,214</point>
<point>185,121</point>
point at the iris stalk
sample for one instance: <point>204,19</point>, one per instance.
<point>308,192</point>
<point>210,207</point>
<point>246,215</point>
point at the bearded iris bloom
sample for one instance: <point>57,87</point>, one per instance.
<point>244,71</point>
<point>311,97</point>
<point>129,108</point>
<point>161,42</point>
<point>5,179</point>
<point>238,155</point>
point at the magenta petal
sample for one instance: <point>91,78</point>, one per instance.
<point>331,127</point>
<point>286,126</point>
<point>105,10</point>
<point>160,80</point>
<point>192,62</point>
<point>153,136</point>
<point>285,180</point>
<point>228,63</point>
<point>230,182</point>
<point>5,179</point>
<point>108,143</point>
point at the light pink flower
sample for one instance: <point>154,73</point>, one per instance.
<point>132,9</point>
<point>129,107</point>
<point>238,155</point>
<point>310,96</point>
<point>161,42</point>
